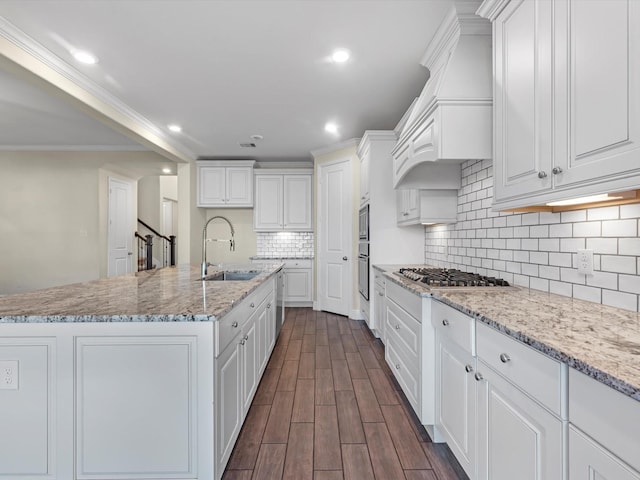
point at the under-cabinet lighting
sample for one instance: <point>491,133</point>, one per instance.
<point>432,223</point>
<point>604,197</point>
<point>166,170</point>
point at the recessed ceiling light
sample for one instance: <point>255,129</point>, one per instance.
<point>331,128</point>
<point>166,170</point>
<point>85,57</point>
<point>340,55</point>
<point>175,128</point>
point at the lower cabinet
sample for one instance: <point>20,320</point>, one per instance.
<point>379,306</point>
<point>517,437</point>
<point>298,283</point>
<point>239,368</point>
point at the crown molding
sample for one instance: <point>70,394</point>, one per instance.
<point>353,142</point>
<point>37,60</point>
<point>490,9</point>
<point>73,148</point>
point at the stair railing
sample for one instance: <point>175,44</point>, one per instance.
<point>145,248</point>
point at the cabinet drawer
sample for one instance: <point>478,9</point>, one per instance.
<point>454,325</point>
<point>536,374</point>
<point>298,263</point>
<point>405,330</point>
<point>230,324</point>
<point>411,302</point>
<point>379,279</point>
<point>608,416</point>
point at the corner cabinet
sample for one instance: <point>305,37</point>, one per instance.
<point>224,184</point>
<point>283,201</point>
<point>566,110</point>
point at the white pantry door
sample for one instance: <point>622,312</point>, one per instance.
<point>120,231</point>
<point>335,276</point>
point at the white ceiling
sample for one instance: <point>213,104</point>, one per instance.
<point>226,69</point>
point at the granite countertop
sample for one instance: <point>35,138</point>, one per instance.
<point>171,294</point>
<point>597,340</point>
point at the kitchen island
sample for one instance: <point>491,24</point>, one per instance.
<point>143,376</point>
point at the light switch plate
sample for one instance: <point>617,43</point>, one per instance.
<point>8,375</point>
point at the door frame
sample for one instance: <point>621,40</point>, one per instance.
<point>320,256</point>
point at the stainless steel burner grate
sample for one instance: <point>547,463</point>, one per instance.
<point>442,277</point>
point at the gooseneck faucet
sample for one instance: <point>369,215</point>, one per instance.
<point>232,242</point>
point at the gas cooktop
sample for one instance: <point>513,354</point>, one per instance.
<point>443,277</point>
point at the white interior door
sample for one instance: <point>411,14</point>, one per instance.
<point>120,231</point>
<point>335,265</point>
<point>169,213</point>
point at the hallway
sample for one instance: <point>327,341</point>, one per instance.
<point>328,408</point>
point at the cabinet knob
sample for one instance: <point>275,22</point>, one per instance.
<point>252,305</point>
<point>542,174</point>
<point>381,294</point>
<point>478,376</point>
<point>556,170</point>
<point>504,358</point>
<point>345,258</point>
<point>268,305</point>
<point>405,214</point>
<point>234,324</point>
<point>397,366</point>
<point>445,322</point>
<point>242,342</point>
<point>468,368</point>
<point>397,327</point>
<point>246,337</point>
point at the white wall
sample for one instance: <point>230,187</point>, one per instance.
<point>52,219</point>
<point>538,250</point>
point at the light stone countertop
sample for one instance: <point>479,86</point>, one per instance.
<point>600,341</point>
<point>172,294</point>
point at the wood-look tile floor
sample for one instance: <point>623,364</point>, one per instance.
<point>328,408</point>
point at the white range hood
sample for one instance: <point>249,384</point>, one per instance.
<point>451,120</point>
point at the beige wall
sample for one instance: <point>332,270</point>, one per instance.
<point>242,221</point>
<point>52,219</point>
<point>150,201</point>
<point>347,152</point>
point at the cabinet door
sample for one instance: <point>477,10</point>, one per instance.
<point>589,461</point>
<point>271,325</point>
<point>379,311</point>
<point>297,285</point>
<point>228,402</point>
<point>365,162</point>
<point>456,402</point>
<point>262,338</point>
<point>517,438</point>
<point>250,366</point>
<point>522,99</point>
<point>297,202</point>
<point>267,213</point>
<point>239,186</point>
<point>598,107</point>
<point>211,186</point>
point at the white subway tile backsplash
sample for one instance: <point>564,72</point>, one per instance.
<point>284,244</point>
<point>538,250</point>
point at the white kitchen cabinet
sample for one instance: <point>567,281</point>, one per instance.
<point>283,201</point>
<point>588,460</point>
<point>566,119</point>
<point>298,283</point>
<point>250,361</point>
<point>225,184</point>
<point>520,431</point>
<point>379,305</point>
<point>228,402</point>
<point>427,207</point>
<point>456,397</point>
<point>365,165</point>
<point>604,427</point>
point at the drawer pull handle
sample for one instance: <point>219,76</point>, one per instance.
<point>478,376</point>
<point>252,305</point>
<point>234,324</point>
<point>397,366</point>
<point>504,358</point>
<point>397,327</point>
<point>445,322</point>
<point>468,368</point>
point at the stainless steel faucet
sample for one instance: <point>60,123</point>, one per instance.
<point>232,242</point>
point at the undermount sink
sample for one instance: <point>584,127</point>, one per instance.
<point>227,276</point>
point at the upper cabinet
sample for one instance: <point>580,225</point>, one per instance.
<point>283,201</point>
<point>451,120</point>
<point>365,164</point>
<point>567,106</point>
<point>225,184</point>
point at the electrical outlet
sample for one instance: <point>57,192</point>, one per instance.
<point>585,262</point>
<point>8,375</point>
